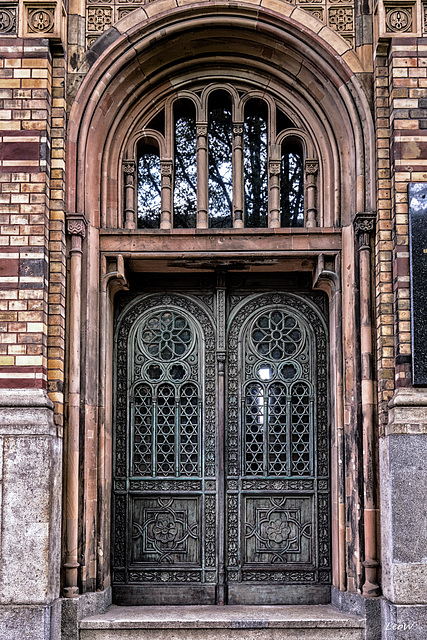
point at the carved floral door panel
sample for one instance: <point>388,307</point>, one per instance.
<point>221,450</point>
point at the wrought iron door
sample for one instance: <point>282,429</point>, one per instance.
<point>221,450</point>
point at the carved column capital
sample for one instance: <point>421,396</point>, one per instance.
<point>129,167</point>
<point>274,167</point>
<point>76,224</point>
<point>364,225</point>
<point>311,167</point>
<point>166,168</point>
<point>202,130</point>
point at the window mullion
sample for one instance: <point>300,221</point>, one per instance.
<point>166,169</point>
<point>238,188</point>
<point>202,175</point>
<point>274,187</point>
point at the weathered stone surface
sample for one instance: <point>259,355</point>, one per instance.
<point>223,623</point>
<point>356,604</point>
<point>30,622</point>
<point>74,609</point>
<point>403,622</point>
<point>403,471</point>
<point>30,516</point>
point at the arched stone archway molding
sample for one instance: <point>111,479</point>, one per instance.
<point>289,52</point>
<point>316,76</point>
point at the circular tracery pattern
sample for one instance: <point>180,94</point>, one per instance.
<point>276,335</point>
<point>165,335</point>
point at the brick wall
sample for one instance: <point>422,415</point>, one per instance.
<point>31,172</point>
<point>401,118</point>
<point>384,240</point>
<point>408,120</point>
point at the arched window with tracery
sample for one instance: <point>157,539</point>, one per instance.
<point>223,157</point>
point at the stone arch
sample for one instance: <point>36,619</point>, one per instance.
<point>279,43</point>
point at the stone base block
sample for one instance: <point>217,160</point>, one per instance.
<point>404,622</point>
<point>30,622</point>
<point>368,608</point>
<point>74,609</point>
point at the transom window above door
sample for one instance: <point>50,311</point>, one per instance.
<point>220,157</point>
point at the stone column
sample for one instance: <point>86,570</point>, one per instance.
<point>238,187</point>
<point>403,476</point>
<point>129,170</point>
<point>76,227</point>
<point>274,214</point>
<point>30,511</point>
<point>311,171</point>
<point>364,225</point>
<point>166,170</point>
<point>202,176</point>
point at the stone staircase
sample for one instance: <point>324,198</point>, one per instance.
<point>243,622</point>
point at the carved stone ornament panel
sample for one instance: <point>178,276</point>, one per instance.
<point>398,19</point>
<point>8,15</point>
<point>43,19</point>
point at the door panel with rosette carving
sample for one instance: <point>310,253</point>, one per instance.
<point>221,493</point>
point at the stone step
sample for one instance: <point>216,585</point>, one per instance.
<point>302,622</point>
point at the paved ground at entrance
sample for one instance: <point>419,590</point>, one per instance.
<point>318,622</point>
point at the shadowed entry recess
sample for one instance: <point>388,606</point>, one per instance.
<point>221,449</point>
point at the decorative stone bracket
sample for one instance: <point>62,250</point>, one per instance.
<point>43,20</point>
<point>364,225</point>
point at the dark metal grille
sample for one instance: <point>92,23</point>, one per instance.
<point>278,411</point>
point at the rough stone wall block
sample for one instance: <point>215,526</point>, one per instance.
<point>30,516</point>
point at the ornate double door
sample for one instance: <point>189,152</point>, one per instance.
<point>221,450</point>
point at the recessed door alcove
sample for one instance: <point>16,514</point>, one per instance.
<point>221,448</point>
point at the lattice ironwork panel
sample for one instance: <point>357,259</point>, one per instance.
<point>164,504</point>
<point>278,446</point>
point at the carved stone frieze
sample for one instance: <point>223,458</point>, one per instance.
<point>341,19</point>
<point>41,20</point>
<point>8,20</point>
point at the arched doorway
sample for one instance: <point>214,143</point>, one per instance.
<point>222,465</point>
<point>318,89</point>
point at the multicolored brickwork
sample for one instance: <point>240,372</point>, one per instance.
<point>25,120</point>
<point>401,118</point>
<point>384,241</point>
<point>408,120</point>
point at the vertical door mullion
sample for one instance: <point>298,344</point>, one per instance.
<point>265,390</point>
<point>220,462</point>
<point>177,430</point>
<point>288,431</point>
<point>154,427</point>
